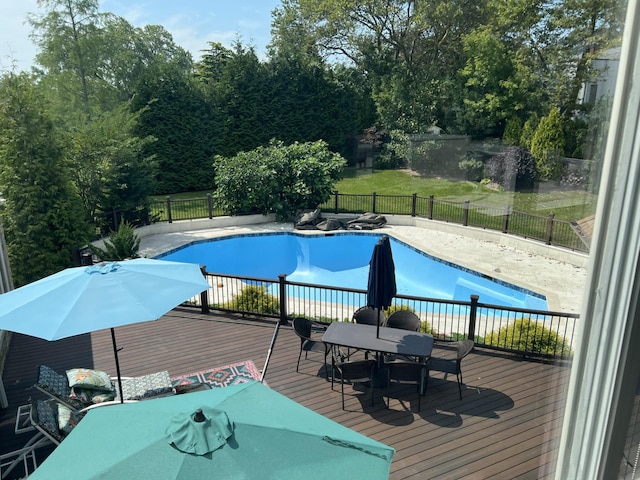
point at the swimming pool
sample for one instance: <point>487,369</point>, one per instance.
<point>342,260</point>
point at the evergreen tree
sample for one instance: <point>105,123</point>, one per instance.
<point>43,216</point>
<point>547,146</point>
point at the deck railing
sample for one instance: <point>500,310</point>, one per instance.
<point>543,228</point>
<point>535,333</point>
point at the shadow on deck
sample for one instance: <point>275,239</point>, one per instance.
<point>506,426</point>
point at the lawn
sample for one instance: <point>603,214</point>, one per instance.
<point>566,204</point>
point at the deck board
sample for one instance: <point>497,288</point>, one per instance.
<point>507,425</point>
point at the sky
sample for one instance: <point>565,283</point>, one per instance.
<point>192,23</point>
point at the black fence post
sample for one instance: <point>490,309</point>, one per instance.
<point>414,201</point>
<point>550,228</point>
<point>335,201</point>
<point>473,312</point>
<point>465,213</point>
<point>374,198</point>
<point>283,299</point>
<point>505,218</point>
<point>76,257</point>
<point>431,197</point>
<point>204,296</point>
<point>210,205</point>
<point>169,218</point>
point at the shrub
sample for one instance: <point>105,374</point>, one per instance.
<point>277,179</point>
<point>121,245</point>
<point>254,299</point>
<point>529,336</point>
<point>512,131</point>
<point>548,145</point>
<point>472,168</point>
<point>514,169</point>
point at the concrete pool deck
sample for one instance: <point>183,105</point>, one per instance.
<point>556,273</point>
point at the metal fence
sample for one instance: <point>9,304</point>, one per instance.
<point>535,333</point>
<point>543,228</point>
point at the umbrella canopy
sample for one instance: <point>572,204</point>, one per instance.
<point>382,276</point>
<point>107,295</point>
<point>249,431</point>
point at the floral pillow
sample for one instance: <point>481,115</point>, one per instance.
<point>89,379</point>
<point>87,395</point>
<point>67,419</point>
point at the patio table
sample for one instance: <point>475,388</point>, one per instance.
<point>393,341</point>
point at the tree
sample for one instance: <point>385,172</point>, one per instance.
<point>547,146</point>
<point>411,51</point>
<point>176,112</point>
<point>43,216</point>
<point>110,170</point>
<point>277,178</point>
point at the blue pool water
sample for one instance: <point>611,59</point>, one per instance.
<point>342,260</point>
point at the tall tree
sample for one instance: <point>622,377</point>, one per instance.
<point>43,216</point>
<point>110,169</point>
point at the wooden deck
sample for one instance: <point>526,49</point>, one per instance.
<point>507,425</point>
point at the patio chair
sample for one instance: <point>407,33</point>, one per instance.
<point>354,372</point>
<point>368,316</point>
<point>56,386</point>
<point>303,327</point>
<point>447,358</point>
<point>405,320</point>
<point>42,417</point>
<point>401,372</point>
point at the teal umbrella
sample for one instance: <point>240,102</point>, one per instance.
<point>247,431</point>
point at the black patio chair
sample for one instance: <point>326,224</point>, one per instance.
<point>359,371</point>
<point>303,327</point>
<point>405,320</point>
<point>368,316</point>
<point>406,372</point>
<point>447,357</point>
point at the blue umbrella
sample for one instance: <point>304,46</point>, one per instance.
<point>382,277</point>
<point>107,295</point>
<point>242,431</point>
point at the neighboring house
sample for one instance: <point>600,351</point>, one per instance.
<point>605,67</point>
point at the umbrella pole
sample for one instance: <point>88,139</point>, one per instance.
<point>378,323</point>
<point>273,342</point>
<point>115,353</point>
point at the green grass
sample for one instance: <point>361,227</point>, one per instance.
<point>570,205</point>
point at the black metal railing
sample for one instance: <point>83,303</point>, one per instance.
<point>543,228</point>
<point>535,333</point>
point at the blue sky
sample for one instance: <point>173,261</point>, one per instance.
<point>192,23</point>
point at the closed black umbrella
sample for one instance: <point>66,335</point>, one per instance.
<point>382,277</point>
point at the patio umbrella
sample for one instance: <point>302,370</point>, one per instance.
<point>106,295</point>
<point>382,277</point>
<point>249,431</point>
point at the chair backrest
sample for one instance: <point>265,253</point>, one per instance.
<point>302,327</point>
<point>368,316</point>
<point>56,386</point>
<point>405,320</point>
<point>464,347</point>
